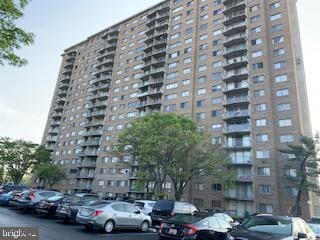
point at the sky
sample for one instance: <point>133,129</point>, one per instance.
<point>26,93</point>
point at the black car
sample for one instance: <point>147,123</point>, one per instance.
<point>49,206</point>
<point>263,226</point>
<point>165,209</point>
<point>195,227</point>
<point>68,209</point>
<point>8,188</point>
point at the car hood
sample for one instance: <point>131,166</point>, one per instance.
<point>244,234</point>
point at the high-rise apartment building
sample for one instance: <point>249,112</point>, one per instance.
<point>234,66</point>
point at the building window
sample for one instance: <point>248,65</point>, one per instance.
<point>275,5</point>
<point>256,66</point>
<point>260,107</point>
<point>285,122</point>
<point>258,79</point>
<point>263,171</point>
<point>255,30</point>
<point>282,92</point>
<point>277,40</point>
<point>265,208</point>
<point>290,172</point>
<point>286,138</point>
<point>199,187</point>
<point>201,116</point>
<point>283,107</point>
<point>261,122</point>
<point>262,154</point>
<point>265,189</point>
<point>201,91</point>
<point>217,187</point>
<point>262,138</point>
<point>256,41</point>
<point>256,54</point>
<point>279,52</point>
<point>292,191</point>
<point>281,78</point>
<point>259,93</point>
<point>279,65</point>
<point>275,17</point>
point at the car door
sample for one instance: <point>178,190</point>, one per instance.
<point>119,214</point>
<point>134,216</point>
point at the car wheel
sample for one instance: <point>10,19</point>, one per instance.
<point>109,226</point>
<point>145,226</point>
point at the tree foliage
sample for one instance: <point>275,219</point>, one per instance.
<point>170,146</point>
<point>12,37</point>
<point>49,173</point>
<point>19,157</point>
<point>305,157</point>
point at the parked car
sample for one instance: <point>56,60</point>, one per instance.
<point>30,198</point>
<point>68,209</point>
<point>262,226</point>
<point>49,206</point>
<point>124,199</point>
<point>10,187</point>
<point>314,224</point>
<point>196,227</point>
<point>14,200</point>
<point>113,215</point>
<point>6,197</point>
<point>226,218</point>
<point>145,206</point>
<point>164,209</point>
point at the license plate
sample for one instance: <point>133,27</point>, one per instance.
<point>173,231</point>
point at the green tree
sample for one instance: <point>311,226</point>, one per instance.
<point>49,173</point>
<point>305,158</point>
<point>12,37</point>
<point>170,146</point>
<point>19,157</point>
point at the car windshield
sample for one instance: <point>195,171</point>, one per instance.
<point>55,198</point>
<point>269,225</point>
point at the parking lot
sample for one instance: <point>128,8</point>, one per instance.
<point>53,229</point>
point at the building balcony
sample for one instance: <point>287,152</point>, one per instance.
<point>53,130</point>
<point>98,104</point>
<point>242,162</point>
<point>93,133</point>
<point>236,75</point>
<point>233,6</point>
<point>150,93</point>
<point>154,62</point>
<point>236,100</point>
<point>68,65</point>
<point>234,17</point>
<point>240,196</point>
<point>97,113</point>
<point>235,28</point>
<point>58,107</point>
<point>245,178</point>
<point>57,114</point>
<point>238,145</point>
<point>144,104</point>
<point>62,93</point>
<point>237,129</point>
<point>50,147</point>
<point>236,88</point>
<point>236,39</point>
<point>89,154</point>
<point>72,53</point>
<point>61,100</point>
<point>235,63</point>
<point>63,86</point>
<point>51,139</point>
<point>91,143</point>
<point>86,175</point>
<point>104,69</point>
<point>105,61</point>
<point>94,123</point>
<point>65,79</point>
<point>155,52</point>
<point>100,87</point>
<point>235,51</point>
<point>67,71</point>
<point>100,96</point>
<point>156,43</point>
<point>102,78</point>
<point>236,114</point>
<point>88,164</point>
<point>55,123</point>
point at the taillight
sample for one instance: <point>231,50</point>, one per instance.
<point>161,227</point>
<point>190,230</point>
<point>172,214</point>
<point>32,195</point>
<point>97,213</point>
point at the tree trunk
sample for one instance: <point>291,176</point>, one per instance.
<point>296,210</point>
<point>178,190</point>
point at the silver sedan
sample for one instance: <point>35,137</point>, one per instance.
<point>113,215</point>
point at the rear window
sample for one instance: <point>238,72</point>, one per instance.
<point>139,204</point>
<point>164,205</point>
<point>186,219</point>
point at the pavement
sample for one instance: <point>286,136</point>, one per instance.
<point>53,229</point>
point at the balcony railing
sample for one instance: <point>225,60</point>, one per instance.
<point>245,178</point>
<point>240,99</point>
<point>237,128</point>
<point>235,114</point>
<point>93,133</point>
<point>240,195</point>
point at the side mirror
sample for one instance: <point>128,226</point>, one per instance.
<point>302,236</point>
<point>137,212</point>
